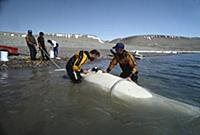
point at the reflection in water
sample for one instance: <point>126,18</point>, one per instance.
<point>3,75</point>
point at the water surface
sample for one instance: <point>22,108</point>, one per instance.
<point>40,101</point>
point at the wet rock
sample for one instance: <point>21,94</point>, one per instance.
<point>26,62</point>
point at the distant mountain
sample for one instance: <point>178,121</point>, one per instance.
<point>77,36</point>
<point>116,40</point>
<point>14,38</point>
<point>142,42</point>
<point>160,42</point>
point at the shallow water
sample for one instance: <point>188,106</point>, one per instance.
<point>40,101</point>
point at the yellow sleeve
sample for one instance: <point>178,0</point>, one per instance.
<point>76,68</point>
<point>81,58</point>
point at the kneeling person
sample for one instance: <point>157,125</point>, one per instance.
<point>74,64</point>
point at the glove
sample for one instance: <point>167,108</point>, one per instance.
<point>108,70</point>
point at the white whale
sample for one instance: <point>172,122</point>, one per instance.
<point>116,86</point>
<point>130,92</point>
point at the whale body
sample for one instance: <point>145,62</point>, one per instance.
<point>116,86</point>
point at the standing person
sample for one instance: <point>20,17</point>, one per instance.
<point>54,45</point>
<point>75,63</point>
<point>31,43</point>
<point>126,61</point>
<point>41,43</point>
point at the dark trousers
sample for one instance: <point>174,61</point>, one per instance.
<point>55,50</point>
<point>44,53</point>
<point>134,77</point>
<point>75,76</point>
<point>33,52</point>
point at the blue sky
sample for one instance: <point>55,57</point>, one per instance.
<point>107,19</point>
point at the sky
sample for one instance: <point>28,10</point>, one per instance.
<point>107,19</point>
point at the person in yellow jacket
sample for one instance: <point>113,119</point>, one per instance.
<point>75,63</point>
<point>126,61</point>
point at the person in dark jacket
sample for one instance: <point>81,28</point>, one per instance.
<point>42,47</point>
<point>126,61</point>
<point>32,44</point>
<point>75,63</point>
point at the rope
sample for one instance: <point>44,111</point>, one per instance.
<point>51,59</point>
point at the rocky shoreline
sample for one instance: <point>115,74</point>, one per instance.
<point>25,62</point>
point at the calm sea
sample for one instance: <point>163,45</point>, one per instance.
<point>41,102</point>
